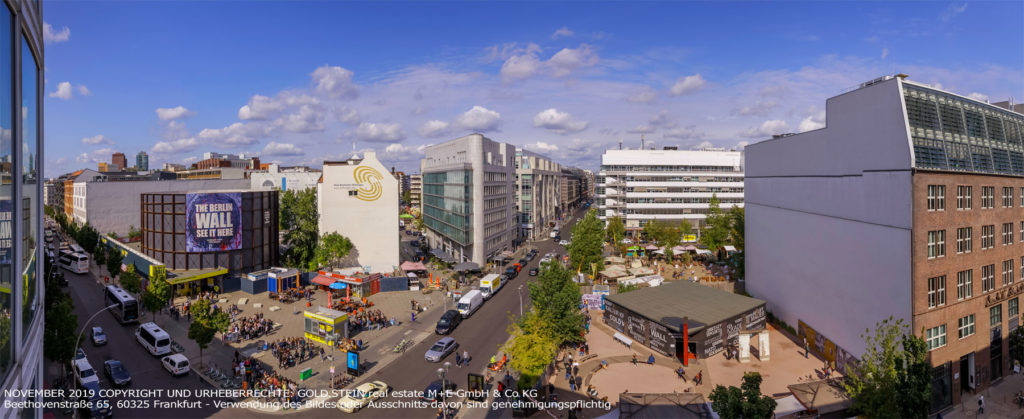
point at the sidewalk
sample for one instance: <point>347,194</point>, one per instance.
<point>999,401</point>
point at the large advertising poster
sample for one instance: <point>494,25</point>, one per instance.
<point>213,222</point>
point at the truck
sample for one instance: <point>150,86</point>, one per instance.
<point>470,303</point>
<point>490,285</point>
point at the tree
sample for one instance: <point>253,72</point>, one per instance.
<point>418,223</point>
<point>87,237</point>
<point>716,227</point>
<point>557,300</point>
<point>654,229</point>
<point>892,378</point>
<point>157,294</point>
<point>737,222</point>
<point>59,334</point>
<point>130,281</point>
<point>615,230</point>
<point>333,246</point>
<point>531,348</point>
<point>206,322</point>
<point>114,259</point>
<point>624,288</point>
<point>744,402</point>
<point>1017,344</point>
<point>100,258</point>
<point>407,197</point>
<point>299,217</point>
<point>587,243</point>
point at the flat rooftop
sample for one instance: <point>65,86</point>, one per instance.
<point>671,302</point>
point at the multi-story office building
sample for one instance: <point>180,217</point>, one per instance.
<point>119,159</point>
<point>909,203</point>
<point>142,161</point>
<point>218,160</point>
<point>538,189</point>
<point>403,183</point>
<point>468,210</point>
<point>416,189</point>
<point>358,199</point>
<point>573,188</point>
<point>297,178</point>
<point>670,185</point>
<point>105,167</point>
<point>588,189</point>
<point>21,269</point>
<point>173,167</point>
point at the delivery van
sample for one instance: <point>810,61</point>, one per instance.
<point>470,302</point>
<point>490,285</point>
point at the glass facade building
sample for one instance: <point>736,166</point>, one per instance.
<point>21,149</point>
<point>447,199</point>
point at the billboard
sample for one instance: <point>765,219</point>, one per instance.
<point>213,222</point>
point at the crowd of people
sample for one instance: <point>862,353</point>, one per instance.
<point>258,377</point>
<point>370,320</point>
<point>293,350</point>
<point>250,327</point>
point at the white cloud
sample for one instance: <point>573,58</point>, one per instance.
<point>760,108</point>
<point>235,134</point>
<point>379,132</point>
<point>94,156</point>
<point>51,37</point>
<point>767,129</point>
<point>479,118</point>
<point>347,115</point>
<point>309,118</point>
<point>568,60</point>
<point>542,146</point>
<point>84,91</point>
<point>190,159</point>
<point>97,139</point>
<point>641,129</point>
<point>952,11</point>
<point>688,84</point>
<point>885,53</point>
<point>520,67</point>
<point>176,146</point>
<point>400,153</point>
<point>742,144</point>
<point>259,108</point>
<point>704,144</point>
<point>171,114</point>
<point>978,96</point>
<point>282,149</point>
<point>562,32</point>
<point>688,132</point>
<point>814,120</point>
<point>335,82</point>
<point>63,91</point>
<point>559,122</point>
<point>434,128</point>
<point>645,95</point>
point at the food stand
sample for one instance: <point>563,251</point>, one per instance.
<point>324,322</point>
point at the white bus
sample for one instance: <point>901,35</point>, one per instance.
<point>74,262</point>
<point>127,310</point>
<point>77,249</point>
<point>153,338</point>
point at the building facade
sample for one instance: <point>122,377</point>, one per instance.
<point>142,161</point>
<point>468,207</point>
<point>909,203</point>
<point>119,159</point>
<point>200,230</point>
<point>21,272</point>
<point>284,178</point>
<point>416,190</point>
<point>669,185</point>
<point>573,190</point>
<point>538,189</point>
<point>218,160</point>
<point>358,199</point>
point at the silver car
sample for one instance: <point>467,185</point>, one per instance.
<point>98,337</point>
<point>441,349</point>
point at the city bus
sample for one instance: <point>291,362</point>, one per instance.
<point>74,262</point>
<point>127,308</point>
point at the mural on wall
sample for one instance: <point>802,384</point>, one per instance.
<point>825,348</point>
<point>213,222</point>
<point>368,176</point>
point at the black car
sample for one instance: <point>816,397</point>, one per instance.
<point>530,256</point>
<point>506,276</point>
<point>415,243</point>
<point>117,373</point>
<point>433,391</point>
<point>511,272</point>
<point>449,320</point>
<point>523,261</point>
<point>93,405</point>
<point>534,271</point>
<point>557,238</point>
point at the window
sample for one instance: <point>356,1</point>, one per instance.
<point>965,326</point>
<point>988,197</point>
<point>1012,308</point>
<point>936,244</point>
<point>936,197</point>
<point>1007,272</point>
<point>936,337</point>
<point>963,197</point>
<point>995,315</point>
<point>936,291</point>
<point>353,192</point>
<point>1022,196</point>
<point>1007,197</point>
<point>988,236</point>
<point>988,278</point>
<point>963,240</point>
<point>1007,233</point>
<point>964,284</point>
<point>7,307</point>
<point>1022,231</point>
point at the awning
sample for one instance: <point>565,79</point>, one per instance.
<point>181,277</point>
<point>703,252</point>
<point>466,267</point>
<point>729,248</point>
<point>323,280</point>
<point>651,247</point>
<point>440,254</point>
<point>413,266</point>
<point>504,255</point>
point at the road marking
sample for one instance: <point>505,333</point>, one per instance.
<point>407,332</point>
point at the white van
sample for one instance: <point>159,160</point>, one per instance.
<point>470,302</point>
<point>490,285</point>
<point>153,338</point>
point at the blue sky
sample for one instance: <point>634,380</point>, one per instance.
<point>300,82</point>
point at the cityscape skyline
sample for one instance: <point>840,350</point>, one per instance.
<point>568,86</point>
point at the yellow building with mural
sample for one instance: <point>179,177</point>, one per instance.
<point>358,198</point>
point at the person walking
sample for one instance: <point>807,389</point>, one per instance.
<point>634,360</point>
<point>579,382</point>
<point>458,359</point>
<point>807,348</point>
<point>465,357</point>
<point>981,404</point>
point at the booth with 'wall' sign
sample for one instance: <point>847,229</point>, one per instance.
<point>323,323</point>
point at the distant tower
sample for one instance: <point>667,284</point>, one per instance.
<point>142,161</point>
<point>620,144</point>
<point>119,160</point>
<point>641,141</point>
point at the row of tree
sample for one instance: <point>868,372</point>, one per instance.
<point>299,219</point>
<point>85,235</point>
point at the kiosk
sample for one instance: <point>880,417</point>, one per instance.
<point>320,325</point>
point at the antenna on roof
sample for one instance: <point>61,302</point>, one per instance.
<point>620,144</point>
<point>641,141</point>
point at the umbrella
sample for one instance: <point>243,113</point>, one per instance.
<point>338,286</point>
<point>406,216</point>
<point>651,247</point>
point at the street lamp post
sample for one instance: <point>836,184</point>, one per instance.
<point>520,301</point>
<point>334,342</point>
<point>86,324</point>
<point>442,372</point>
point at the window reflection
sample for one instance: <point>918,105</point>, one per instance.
<point>29,194</point>
<point>6,288</point>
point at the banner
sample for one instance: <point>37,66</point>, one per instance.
<point>213,222</point>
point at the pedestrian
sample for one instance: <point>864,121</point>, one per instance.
<point>458,360</point>
<point>568,373</point>
<point>572,384</point>
<point>465,357</point>
<point>237,356</point>
<point>323,355</point>
<point>807,348</point>
<point>413,317</point>
<point>981,404</point>
<point>634,360</point>
<point>650,360</point>
<point>579,382</point>
<point>575,370</point>
<point>699,378</point>
<point>493,360</point>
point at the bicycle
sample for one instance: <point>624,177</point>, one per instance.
<point>400,347</point>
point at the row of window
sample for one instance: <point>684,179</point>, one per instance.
<point>965,326</point>
<point>675,168</point>
<point>964,241</point>
<point>965,282</point>
<point>964,197</point>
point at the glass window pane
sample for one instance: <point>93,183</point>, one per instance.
<point>29,166</point>
<point>7,314</point>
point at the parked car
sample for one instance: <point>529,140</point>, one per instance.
<point>557,238</point>
<point>441,349</point>
<point>79,354</point>
<point>529,256</point>
<point>415,243</point>
<point>408,232</point>
<point>361,396</point>
<point>434,393</point>
<point>448,321</point>
<point>523,261</point>
<point>116,372</point>
<point>534,271</point>
<point>627,241</point>
<point>176,364</point>
<point>83,371</point>
<point>563,243</point>
<point>92,404</point>
<point>98,337</point>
